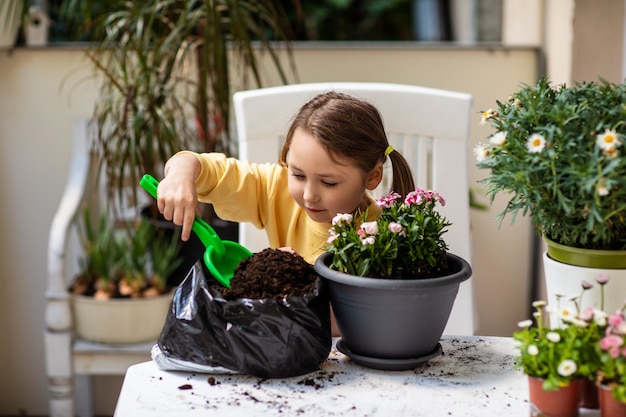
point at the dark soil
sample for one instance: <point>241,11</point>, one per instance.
<point>271,273</point>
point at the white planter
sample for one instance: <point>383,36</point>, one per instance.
<point>120,321</point>
<point>567,280</point>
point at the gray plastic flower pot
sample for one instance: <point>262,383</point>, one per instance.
<point>388,318</point>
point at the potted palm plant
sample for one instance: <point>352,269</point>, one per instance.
<point>11,15</point>
<point>392,283</point>
<point>166,72</point>
<point>556,154</point>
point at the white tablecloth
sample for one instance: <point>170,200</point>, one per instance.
<point>473,377</point>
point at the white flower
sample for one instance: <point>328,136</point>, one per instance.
<point>536,143</point>
<point>567,367</point>
<point>481,151</point>
<point>533,350</point>
<point>342,218</point>
<point>488,114</point>
<point>567,314</point>
<point>600,317</point>
<point>525,324</point>
<point>608,140</point>
<point>551,309</point>
<point>498,139</point>
<point>370,240</point>
<point>553,337</point>
<point>371,228</point>
<point>603,191</point>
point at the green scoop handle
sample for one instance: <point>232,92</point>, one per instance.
<point>221,257</point>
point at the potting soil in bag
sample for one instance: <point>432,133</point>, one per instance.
<point>269,333</point>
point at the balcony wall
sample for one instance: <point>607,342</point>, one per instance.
<point>43,90</point>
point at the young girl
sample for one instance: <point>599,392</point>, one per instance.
<point>333,153</point>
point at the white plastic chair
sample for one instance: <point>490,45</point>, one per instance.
<point>430,127</point>
<point>71,362</point>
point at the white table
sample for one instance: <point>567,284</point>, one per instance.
<point>473,377</point>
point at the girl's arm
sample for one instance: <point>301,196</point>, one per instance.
<point>177,196</point>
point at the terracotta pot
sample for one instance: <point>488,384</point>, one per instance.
<point>609,406</point>
<point>563,402</point>
<point>590,399</point>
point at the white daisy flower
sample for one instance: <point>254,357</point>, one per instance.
<point>525,324</point>
<point>608,140</point>
<point>488,114</point>
<point>535,143</point>
<point>533,350</point>
<point>481,151</point>
<point>554,337</point>
<point>567,368</point>
<point>567,314</point>
<point>498,139</point>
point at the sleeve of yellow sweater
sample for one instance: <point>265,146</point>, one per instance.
<point>241,191</point>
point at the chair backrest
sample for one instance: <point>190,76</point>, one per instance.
<point>430,127</point>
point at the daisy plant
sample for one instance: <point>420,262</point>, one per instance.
<point>405,241</point>
<point>556,154</point>
<point>567,351</point>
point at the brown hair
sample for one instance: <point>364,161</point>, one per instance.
<point>351,129</point>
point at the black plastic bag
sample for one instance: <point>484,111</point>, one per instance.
<point>267,338</point>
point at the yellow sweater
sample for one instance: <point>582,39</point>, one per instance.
<point>258,193</point>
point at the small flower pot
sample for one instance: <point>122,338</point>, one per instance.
<point>590,398</point>
<point>390,319</point>
<point>563,402</point>
<point>609,406</point>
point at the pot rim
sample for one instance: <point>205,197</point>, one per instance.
<point>464,272</point>
<point>87,299</point>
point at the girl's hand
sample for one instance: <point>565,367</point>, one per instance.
<point>177,196</point>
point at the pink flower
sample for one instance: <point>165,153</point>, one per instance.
<point>342,219</point>
<point>602,279</point>
<point>370,240</point>
<point>587,314</point>
<point>415,197</point>
<point>611,343</point>
<point>371,228</point>
<point>586,285</point>
<point>388,200</point>
<point>395,227</point>
<point>616,319</point>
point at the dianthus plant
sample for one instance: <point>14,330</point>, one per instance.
<point>404,242</point>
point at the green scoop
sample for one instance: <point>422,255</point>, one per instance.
<point>220,256</point>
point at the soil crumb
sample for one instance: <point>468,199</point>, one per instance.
<point>271,273</point>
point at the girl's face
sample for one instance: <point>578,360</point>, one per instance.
<point>324,187</point>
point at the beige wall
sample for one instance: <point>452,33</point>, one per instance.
<point>42,91</point>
